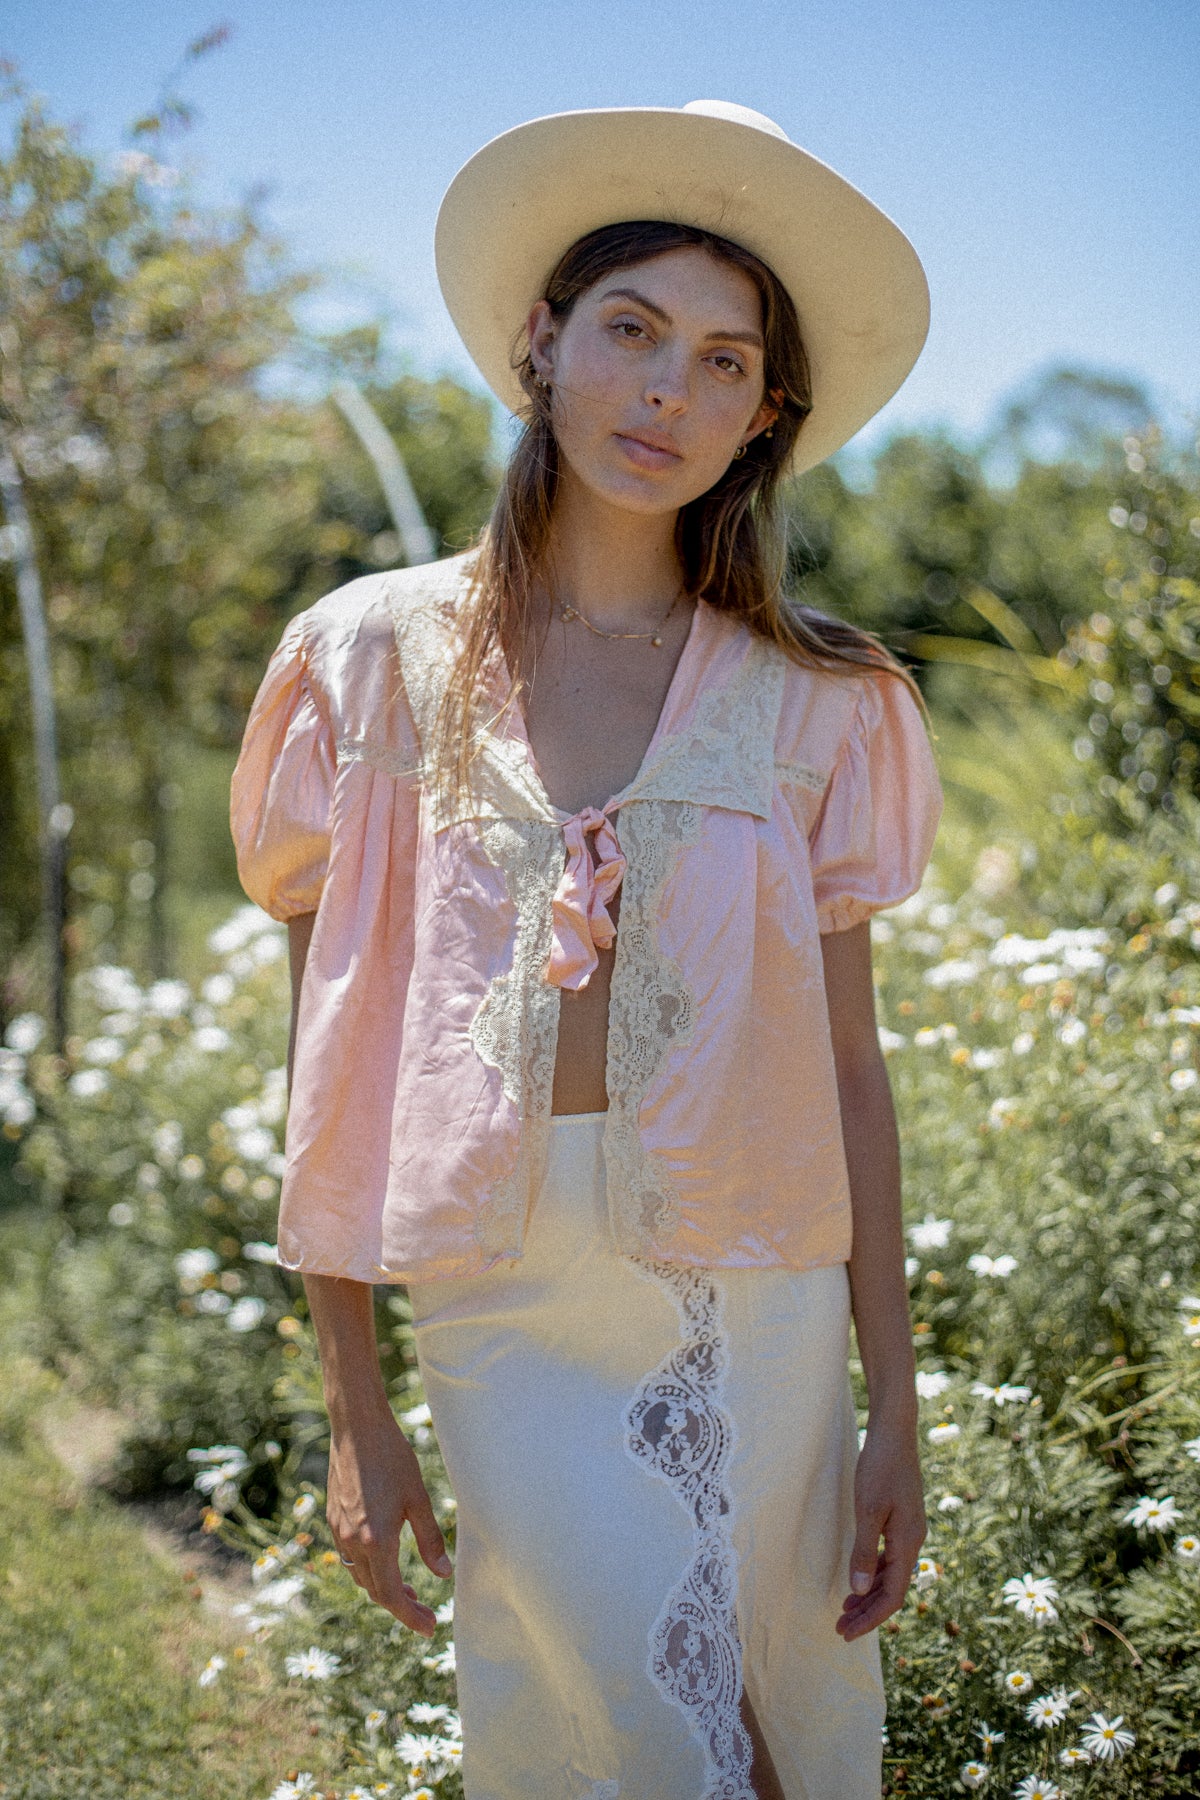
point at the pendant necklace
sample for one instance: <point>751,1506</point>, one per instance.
<point>567,613</point>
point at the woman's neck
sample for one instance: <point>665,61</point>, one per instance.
<point>614,565</point>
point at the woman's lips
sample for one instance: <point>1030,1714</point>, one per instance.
<point>646,456</point>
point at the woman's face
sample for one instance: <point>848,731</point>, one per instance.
<point>657,377</point>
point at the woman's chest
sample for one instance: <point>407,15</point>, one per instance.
<point>592,708</point>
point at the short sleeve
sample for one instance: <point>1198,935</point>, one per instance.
<point>282,788</point>
<point>874,833</point>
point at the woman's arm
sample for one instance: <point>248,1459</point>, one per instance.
<point>374,1478</point>
<point>888,1487</point>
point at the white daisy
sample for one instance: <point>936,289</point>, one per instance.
<point>926,1572</point>
<point>950,1502</point>
<point>313,1664</point>
<point>281,1592</point>
<point>1074,1756</point>
<point>442,1663</point>
<point>1002,1395</point>
<point>445,1612</point>
<point>988,1738</point>
<point>417,1750</point>
<point>375,1720</point>
<point>1187,1549</point>
<point>930,1233</point>
<point>931,1383</point>
<point>1037,1787</point>
<point>1153,1515</point>
<point>304,1783</point>
<point>1018,1681</point>
<point>999,1266</point>
<point>942,1434</point>
<point>302,1506</point>
<point>424,1714</point>
<point>211,1670</point>
<point>1104,1738</point>
<point>1021,1590</point>
<point>973,1774</point>
<point>1192,1448</point>
<point>1047,1711</point>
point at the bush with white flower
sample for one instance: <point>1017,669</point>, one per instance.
<point>1040,1013</point>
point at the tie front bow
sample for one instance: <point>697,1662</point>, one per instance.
<point>582,924</point>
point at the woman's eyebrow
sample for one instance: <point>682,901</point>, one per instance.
<point>733,337</point>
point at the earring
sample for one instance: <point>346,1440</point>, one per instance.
<point>739,452</point>
<point>770,431</point>
<point>540,381</point>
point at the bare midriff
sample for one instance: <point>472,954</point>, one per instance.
<point>590,714</point>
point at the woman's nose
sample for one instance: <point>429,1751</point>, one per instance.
<point>667,384</point>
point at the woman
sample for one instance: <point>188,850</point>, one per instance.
<point>578,837</point>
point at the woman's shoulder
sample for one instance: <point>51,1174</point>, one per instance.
<point>825,707</point>
<point>351,641</point>
<point>368,607</point>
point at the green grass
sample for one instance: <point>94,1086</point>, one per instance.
<point>103,1636</point>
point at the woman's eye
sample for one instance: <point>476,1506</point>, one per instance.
<point>629,327</point>
<point>729,363</point>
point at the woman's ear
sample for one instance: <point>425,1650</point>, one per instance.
<point>763,419</point>
<point>540,327</point>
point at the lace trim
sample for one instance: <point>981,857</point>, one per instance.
<point>376,756</point>
<point>725,755</point>
<point>801,775</point>
<point>650,1012</point>
<point>677,1427</point>
<point>515,1028</point>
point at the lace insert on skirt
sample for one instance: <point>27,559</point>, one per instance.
<point>678,1428</point>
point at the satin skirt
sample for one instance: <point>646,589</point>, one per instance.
<point>654,1470</point>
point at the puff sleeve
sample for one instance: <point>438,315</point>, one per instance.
<point>874,833</point>
<point>282,787</point>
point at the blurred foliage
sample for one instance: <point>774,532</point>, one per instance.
<point>1040,1004</point>
<point>1140,647</point>
<point>179,517</point>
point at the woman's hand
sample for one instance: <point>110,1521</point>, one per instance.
<point>889,1500</point>
<point>374,1486</point>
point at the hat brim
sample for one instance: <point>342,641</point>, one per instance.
<point>522,200</point>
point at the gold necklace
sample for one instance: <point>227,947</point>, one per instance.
<point>567,613</point>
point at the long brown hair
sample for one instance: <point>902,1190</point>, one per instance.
<point>731,540</point>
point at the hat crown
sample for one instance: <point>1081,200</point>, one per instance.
<point>741,115</point>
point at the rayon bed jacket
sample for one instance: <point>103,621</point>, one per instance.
<point>774,803</point>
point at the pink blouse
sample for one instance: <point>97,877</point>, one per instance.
<point>774,803</point>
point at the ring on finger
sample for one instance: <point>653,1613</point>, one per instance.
<point>349,1561</point>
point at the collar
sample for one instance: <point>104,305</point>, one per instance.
<point>713,745</point>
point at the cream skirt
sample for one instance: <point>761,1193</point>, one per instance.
<point>654,1469</point>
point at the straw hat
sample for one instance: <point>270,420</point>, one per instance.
<point>520,202</point>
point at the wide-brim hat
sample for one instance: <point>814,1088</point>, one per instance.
<point>856,282</point>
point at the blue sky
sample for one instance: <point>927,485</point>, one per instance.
<point>1043,157</point>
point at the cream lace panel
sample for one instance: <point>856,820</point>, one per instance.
<point>795,774</point>
<point>650,1012</point>
<point>376,756</point>
<point>515,1029</point>
<point>724,756</point>
<point>503,784</point>
<point>678,1428</point>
